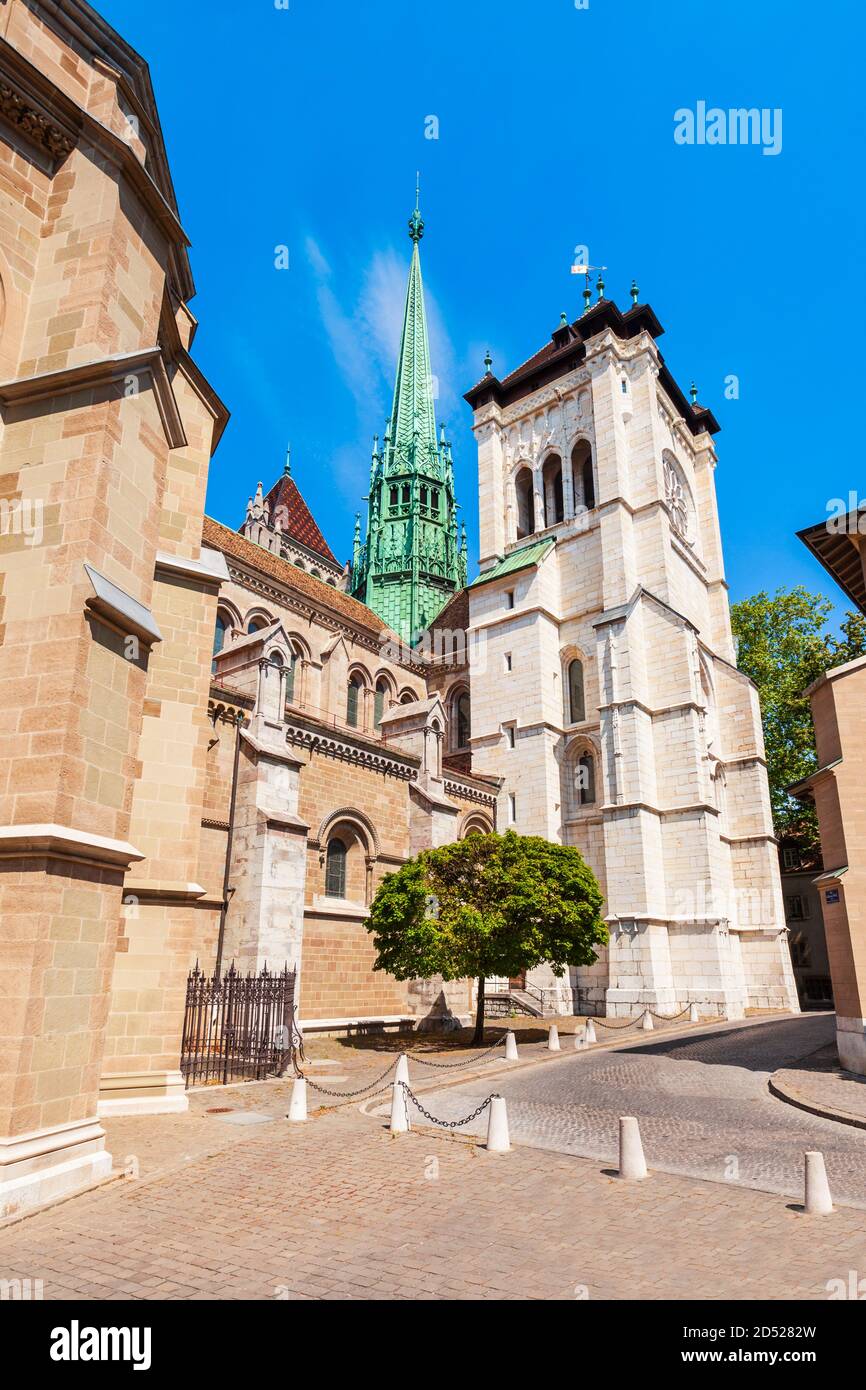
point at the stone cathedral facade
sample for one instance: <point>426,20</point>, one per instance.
<point>605,692</point>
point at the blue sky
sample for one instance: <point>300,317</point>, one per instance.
<point>304,127</point>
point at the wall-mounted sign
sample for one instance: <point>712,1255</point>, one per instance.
<point>832,895</point>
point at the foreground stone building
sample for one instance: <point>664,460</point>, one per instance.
<point>838,790</point>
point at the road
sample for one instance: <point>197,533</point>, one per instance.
<point>703,1104</point>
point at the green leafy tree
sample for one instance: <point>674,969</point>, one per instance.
<point>783,645</point>
<point>487,905</point>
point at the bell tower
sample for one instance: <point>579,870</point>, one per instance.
<point>410,562</point>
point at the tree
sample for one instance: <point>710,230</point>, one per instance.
<point>783,645</point>
<point>487,905</point>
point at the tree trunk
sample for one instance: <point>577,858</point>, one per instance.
<point>478,1036</point>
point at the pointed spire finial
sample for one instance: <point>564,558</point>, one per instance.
<point>693,392</point>
<point>635,293</point>
<point>587,294</point>
<point>488,362</point>
<point>599,285</point>
<point>287,470</point>
<point>563,319</point>
<point>416,224</point>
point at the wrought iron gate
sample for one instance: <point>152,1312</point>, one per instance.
<point>238,1027</point>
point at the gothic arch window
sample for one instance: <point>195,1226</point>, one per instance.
<point>380,699</point>
<point>575,692</point>
<point>291,669</point>
<point>393,497</point>
<point>551,481</point>
<point>523,488</point>
<point>583,475</point>
<point>335,869</point>
<point>405,494</point>
<point>462,719</point>
<point>219,637</point>
<point>579,775</point>
<point>678,497</point>
<point>353,698</point>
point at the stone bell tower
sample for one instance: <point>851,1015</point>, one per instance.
<point>609,700</point>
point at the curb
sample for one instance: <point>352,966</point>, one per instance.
<point>823,1112</point>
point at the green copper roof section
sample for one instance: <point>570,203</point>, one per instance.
<point>411,432</point>
<point>518,560</point>
<point>411,559</point>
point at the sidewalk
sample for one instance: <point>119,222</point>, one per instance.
<point>821,1087</point>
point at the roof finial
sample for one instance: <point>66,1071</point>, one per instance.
<point>416,225</point>
<point>599,285</point>
<point>693,392</point>
<point>287,470</point>
<point>635,293</point>
<point>563,319</point>
<point>587,294</point>
<point>488,362</point>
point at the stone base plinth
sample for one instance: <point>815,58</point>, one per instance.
<point>47,1164</point>
<point>142,1093</point>
<point>851,1043</point>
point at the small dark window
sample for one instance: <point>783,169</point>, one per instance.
<point>335,870</point>
<point>423,497</point>
<point>576,700</point>
<point>379,702</point>
<point>586,780</point>
<point>393,497</point>
<point>352,702</point>
<point>290,677</point>
<point>588,485</point>
<point>464,725</point>
<point>219,638</point>
<point>435,499</point>
<point>405,494</point>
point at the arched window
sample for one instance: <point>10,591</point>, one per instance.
<point>585,780</point>
<point>408,697</point>
<point>525,503</point>
<point>463,724</point>
<point>219,637</point>
<point>393,497</point>
<point>381,695</point>
<point>551,478</point>
<point>335,869</point>
<point>352,701</point>
<point>290,677</point>
<point>582,475</point>
<point>574,694</point>
<point>256,625</point>
<point>678,496</point>
<point>315,574</point>
<point>405,494</point>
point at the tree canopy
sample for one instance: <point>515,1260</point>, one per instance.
<point>784,645</point>
<point>489,905</point>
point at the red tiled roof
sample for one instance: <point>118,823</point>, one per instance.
<point>220,537</point>
<point>297,519</point>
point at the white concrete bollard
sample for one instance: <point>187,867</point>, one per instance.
<point>402,1072</point>
<point>553,1039</point>
<point>400,1122</point>
<point>632,1164</point>
<point>693,1013</point>
<point>510,1047</point>
<point>497,1127</point>
<point>647,1024</point>
<point>298,1102</point>
<point>818,1201</point>
<point>580,1042</point>
<point>589,1031</point>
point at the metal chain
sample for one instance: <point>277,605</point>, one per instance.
<point>669,1018</point>
<point>347,1095</point>
<point>447,1124</point>
<point>466,1062</point>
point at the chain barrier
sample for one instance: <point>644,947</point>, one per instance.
<point>466,1061</point>
<point>669,1018</point>
<point>347,1095</point>
<point>633,1022</point>
<point>447,1124</point>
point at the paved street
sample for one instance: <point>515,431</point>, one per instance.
<point>703,1105</point>
<point>339,1209</point>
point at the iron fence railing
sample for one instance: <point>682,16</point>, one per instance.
<point>238,1027</point>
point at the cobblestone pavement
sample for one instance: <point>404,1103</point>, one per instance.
<point>703,1103</point>
<point>338,1209</point>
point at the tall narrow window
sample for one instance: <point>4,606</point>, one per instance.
<point>352,702</point>
<point>405,494</point>
<point>575,692</point>
<point>335,870</point>
<point>586,780</point>
<point>290,678</point>
<point>525,503</point>
<point>464,726</point>
<point>551,478</point>
<point>219,638</point>
<point>582,474</point>
<point>588,485</point>
<point>379,702</point>
<point>393,497</point>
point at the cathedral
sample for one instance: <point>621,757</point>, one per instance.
<point>220,738</point>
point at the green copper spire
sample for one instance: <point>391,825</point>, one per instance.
<point>411,562</point>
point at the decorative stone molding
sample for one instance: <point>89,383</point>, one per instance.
<point>455,786</point>
<point>333,745</point>
<point>62,842</point>
<point>34,123</point>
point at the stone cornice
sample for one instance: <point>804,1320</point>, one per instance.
<point>30,119</point>
<point>103,372</point>
<point>49,840</point>
<point>467,791</point>
<point>316,738</point>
